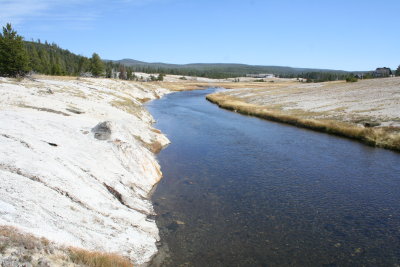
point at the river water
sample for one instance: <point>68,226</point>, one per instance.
<point>241,191</point>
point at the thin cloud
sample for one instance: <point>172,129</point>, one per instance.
<point>15,11</point>
<point>140,2</point>
<point>77,14</point>
<point>18,11</point>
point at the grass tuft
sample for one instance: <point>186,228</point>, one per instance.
<point>98,259</point>
<point>25,246</point>
<point>127,105</point>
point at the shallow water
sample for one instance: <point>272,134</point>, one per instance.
<point>241,191</point>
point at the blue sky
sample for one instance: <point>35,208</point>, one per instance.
<point>334,34</point>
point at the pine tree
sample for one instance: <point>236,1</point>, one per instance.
<point>97,65</point>
<point>129,74</point>
<point>14,59</point>
<point>44,61</point>
<point>122,73</point>
<point>83,65</point>
<point>398,71</point>
<point>35,63</point>
<point>160,77</point>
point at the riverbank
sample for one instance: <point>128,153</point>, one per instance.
<point>367,111</point>
<point>77,164</point>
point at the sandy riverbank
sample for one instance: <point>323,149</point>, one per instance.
<point>77,164</point>
<point>368,110</point>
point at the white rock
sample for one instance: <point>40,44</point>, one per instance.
<point>59,182</point>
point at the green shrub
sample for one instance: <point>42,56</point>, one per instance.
<point>351,79</point>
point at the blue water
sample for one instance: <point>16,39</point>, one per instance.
<point>241,191</point>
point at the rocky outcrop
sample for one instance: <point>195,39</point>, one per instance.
<point>102,131</point>
<point>82,178</point>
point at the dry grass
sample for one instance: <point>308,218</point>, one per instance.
<point>98,259</point>
<point>127,105</point>
<point>154,146</point>
<point>386,137</point>
<point>184,86</point>
<point>57,78</point>
<point>12,237</point>
<point>144,100</point>
<point>25,248</point>
<point>78,93</point>
<point>193,85</point>
<point>154,130</point>
<point>44,109</point>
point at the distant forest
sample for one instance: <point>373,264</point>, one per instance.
<point>19,57</point>
<point>221,71</point>
<point>50,59</point>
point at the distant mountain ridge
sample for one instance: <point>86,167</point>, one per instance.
<point>229,68</point>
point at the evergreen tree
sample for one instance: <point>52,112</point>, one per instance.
<point>45,62</point>
<point>122,73</point>
<point>83,65</point>
<point>160,77</point>
<point>97,65</point>
<point>398,71</point>
<point>34,63</point>
<point>109,69</point>
<point>129,74</point>
<point>14,59</point>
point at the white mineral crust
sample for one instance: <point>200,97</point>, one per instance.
<point>60,182</point>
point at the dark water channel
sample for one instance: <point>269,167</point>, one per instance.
<point>241,191</point>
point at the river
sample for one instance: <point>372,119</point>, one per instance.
<point>241,191</point>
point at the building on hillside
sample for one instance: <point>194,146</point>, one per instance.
<point>266,75</point>
<point>382,72</point>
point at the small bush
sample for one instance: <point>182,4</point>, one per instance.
<point>3,247</point>
<point>161,77</point>
<point>351,79</point>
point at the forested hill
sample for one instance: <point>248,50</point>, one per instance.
<point>46,58</point>
<point>50,59</point>
<point>221,70</point>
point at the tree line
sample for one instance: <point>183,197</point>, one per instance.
<point>50,59</point>
<point>19,57</point>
